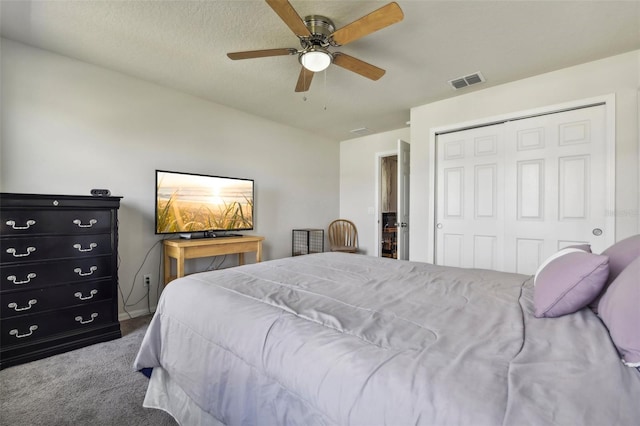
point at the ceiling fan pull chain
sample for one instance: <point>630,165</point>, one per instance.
<point>325,91</point>
<point>304,82</point>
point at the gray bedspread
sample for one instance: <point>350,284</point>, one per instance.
<point>347,339</point>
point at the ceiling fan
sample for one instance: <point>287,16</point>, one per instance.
<point>317,33</point>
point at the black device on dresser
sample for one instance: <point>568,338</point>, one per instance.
<point>59,274</point>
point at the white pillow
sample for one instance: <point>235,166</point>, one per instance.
<point>554,257</point>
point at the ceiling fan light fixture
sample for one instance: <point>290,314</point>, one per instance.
<point>316,59</point>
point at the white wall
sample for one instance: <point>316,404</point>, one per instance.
<point>68,126</point>
<point>619,75</point>
<point>358,177</point>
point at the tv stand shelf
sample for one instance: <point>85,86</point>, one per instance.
<point>182,249</point>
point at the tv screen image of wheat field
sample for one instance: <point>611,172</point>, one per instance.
<point>195,203</point>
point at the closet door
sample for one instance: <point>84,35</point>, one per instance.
<point>557,186</point>
<point>470,200</point>
<point>509,195</point>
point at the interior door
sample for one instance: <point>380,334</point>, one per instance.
<point>404,169</point>
<point>509,195</point>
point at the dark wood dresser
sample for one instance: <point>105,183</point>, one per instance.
<point>58,272</point>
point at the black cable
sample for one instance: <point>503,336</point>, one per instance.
<point>125,301</point>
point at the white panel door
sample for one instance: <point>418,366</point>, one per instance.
<point>470,202</point>
<point>403,199</point>
<point>509,195</point>
<point>557,165</point>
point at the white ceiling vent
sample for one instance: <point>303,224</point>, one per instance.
<point>361,131</point>
<point>467,80</point>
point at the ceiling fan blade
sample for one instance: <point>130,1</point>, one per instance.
<point>304,80</point>
<point>288,14</point>
<point>356,65</point>
<point>261,53</point>
<point>376,20</point>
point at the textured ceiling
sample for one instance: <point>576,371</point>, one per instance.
<point>183,45</point>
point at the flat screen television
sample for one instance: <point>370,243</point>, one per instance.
<point>189,203</point>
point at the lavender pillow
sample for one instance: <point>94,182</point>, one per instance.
<point>619,309</point>
<point>568,281</point>
<point>620,255</point>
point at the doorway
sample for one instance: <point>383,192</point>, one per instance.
<point>389,206</point>
<point>392,211</point>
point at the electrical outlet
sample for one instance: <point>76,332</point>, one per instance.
<point>147,280</point>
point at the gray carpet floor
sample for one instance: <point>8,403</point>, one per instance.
<point>95,385</point>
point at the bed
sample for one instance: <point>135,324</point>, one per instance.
<point>345,339</point>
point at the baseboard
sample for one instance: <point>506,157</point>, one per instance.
<point>133,314</point>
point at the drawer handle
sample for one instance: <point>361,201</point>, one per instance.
<point>30,303</point>
<point>12,251</point>
<point>91,294</point>
<point>80,225</point>
<point>81,321</point>
<point>80,249</point>
<point>13,278</point>
<point>29,223</point>
<point>15,332</point>
<point>84,274</point>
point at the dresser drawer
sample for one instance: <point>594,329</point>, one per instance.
<point>44,274</point>
<point>44,248</point>
<point>26,329</point>
<point>42,300</point>
<point>43,222</point>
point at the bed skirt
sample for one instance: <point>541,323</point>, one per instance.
<point>164,394</point>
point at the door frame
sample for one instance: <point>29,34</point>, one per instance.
<point>609,101</point>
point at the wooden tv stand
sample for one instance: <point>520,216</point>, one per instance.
<point>182,249</point>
